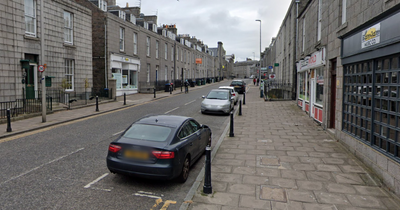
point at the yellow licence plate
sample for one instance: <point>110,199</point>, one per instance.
<point>136,154</point>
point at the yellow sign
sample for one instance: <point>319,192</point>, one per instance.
<point>337,82</point>
<point>223,67</point>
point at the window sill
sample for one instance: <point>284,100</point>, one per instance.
<point>341,28</point>
<point>31,37</point>
<point>69,45</point>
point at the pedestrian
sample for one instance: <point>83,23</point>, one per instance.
<point>186,86</point>
<point>258,81</point>
<point>254,81</point>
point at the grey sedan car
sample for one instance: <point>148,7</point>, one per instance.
<point>218,101</point>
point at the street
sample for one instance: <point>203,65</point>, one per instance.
<point>63,167</point>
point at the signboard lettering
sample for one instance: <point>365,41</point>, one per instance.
<point>371,36</point>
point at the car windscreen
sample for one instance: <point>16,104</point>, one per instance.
<point>221,95</point>
<point>237,83</point>
<point>148,132</point>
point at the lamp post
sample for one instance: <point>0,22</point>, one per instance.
<point>259,71</point>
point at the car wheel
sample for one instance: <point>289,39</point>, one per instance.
<point>185,171</point>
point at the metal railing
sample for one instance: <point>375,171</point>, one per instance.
<point>276,89</point>
<point>24,106</point>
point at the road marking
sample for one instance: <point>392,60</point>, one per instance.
<point>190,102</point>
<point>165,206</point>
<point>96,180</point>
<point>149,195</point>
<point>171,110</point>
<point>158,201</point>
<point>118,133</point>
<point>38,167</point>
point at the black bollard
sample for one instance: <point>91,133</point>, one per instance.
<point>124,98</point>
<point>9,120</point>
<point>154,92</point>
<point>207,188</point>
<point>240,107</point>
<point>244,98</point>
<point>170,89</point>
<point>97,103</point>
<point>231,134</point>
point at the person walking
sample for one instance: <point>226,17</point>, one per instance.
<point>258,81</point>
<point>186,86</point>
<point>254,81</point>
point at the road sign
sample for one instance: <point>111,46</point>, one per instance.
<point>41,68</point>
<point>276,64</point>
<point>272,76</point>
<point>264,69</point>
<point>270,67</point>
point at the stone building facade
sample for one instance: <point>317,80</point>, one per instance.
<point>134,53</point>
<point>67,47</point>
<point>347,59</point>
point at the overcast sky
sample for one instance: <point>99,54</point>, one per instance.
<point>230,21</point>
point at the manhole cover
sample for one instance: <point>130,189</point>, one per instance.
<point>273,193</point>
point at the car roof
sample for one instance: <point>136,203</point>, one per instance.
<point>227,87</point>
<point>163,120</point>
<point>220,90</point>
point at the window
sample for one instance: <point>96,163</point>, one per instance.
<point>157,43</point>
<point>319,90</point>
<point>148,46</point>
<point>371,106</point>
<point>172,53</point>
<point>135,43</point>
<point>69,75</point>
<point>319,20</point>
<point>166,73</point>
<point>121,39</point>
<point>103,5</point>
<point>68,27</point>
<point>304,33</point>
<point>166,51</point>
<point>181,55</point>
<point>177,54</point>
<point>30,17</point>
<point>148,72</point>
<point>302,86</point>
<point>344,11</point>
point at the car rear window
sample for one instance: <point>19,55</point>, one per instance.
<point>236,83</point>
<point>148,132</point>
<point>222,95</point>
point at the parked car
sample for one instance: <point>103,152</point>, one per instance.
<point>159,147</point>
<point>239,85</point>
<point>218,101</point>
<point>233,92</point>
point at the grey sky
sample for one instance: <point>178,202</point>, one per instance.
<point>230,21</point>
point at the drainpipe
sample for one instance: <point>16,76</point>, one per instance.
<point>295,49</point>
<point>105,56</point>
<point>42,61</point>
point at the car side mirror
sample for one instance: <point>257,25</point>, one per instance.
<point>203,97</point>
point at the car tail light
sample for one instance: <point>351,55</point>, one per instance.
<point>234,94</point>
<point>114,148</point>
<point>163,154</point>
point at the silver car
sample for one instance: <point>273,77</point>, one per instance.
<point>233,92</point>
<point>218,101</point>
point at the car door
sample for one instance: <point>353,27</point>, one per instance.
<point>187,140</point>
<point>198,137</point>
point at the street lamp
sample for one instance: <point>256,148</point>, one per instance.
<point>259,71</point>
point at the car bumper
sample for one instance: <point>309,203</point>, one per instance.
<point>215,110</point>
<point>151,171</point>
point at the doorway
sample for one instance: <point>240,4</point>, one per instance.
<point>31,89</point>
<point>332,115</point>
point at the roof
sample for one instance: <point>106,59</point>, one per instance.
<point>227,87</point>
<point>164,120</point>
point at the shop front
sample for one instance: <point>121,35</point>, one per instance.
<point>310,84</point>
<point>124,70</point>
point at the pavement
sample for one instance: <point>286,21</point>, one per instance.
<point>278,159</point>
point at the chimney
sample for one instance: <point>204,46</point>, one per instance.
<point>127,5</point>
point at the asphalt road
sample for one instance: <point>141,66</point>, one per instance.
<point>64,167</point>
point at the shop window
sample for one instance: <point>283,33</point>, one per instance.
<point>371,103</point>
<point>117,75</point>
<point>319,90</point>
<point>302,85</point>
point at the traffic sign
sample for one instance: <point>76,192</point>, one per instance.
<point>270,67</point>
<point>272,76</point>
<point>41,68</point>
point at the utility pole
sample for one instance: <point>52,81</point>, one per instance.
<point>42,59</point>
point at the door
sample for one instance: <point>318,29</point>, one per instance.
<point>31,82</point>
<point>332,115</point>
<point>312,93</point>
